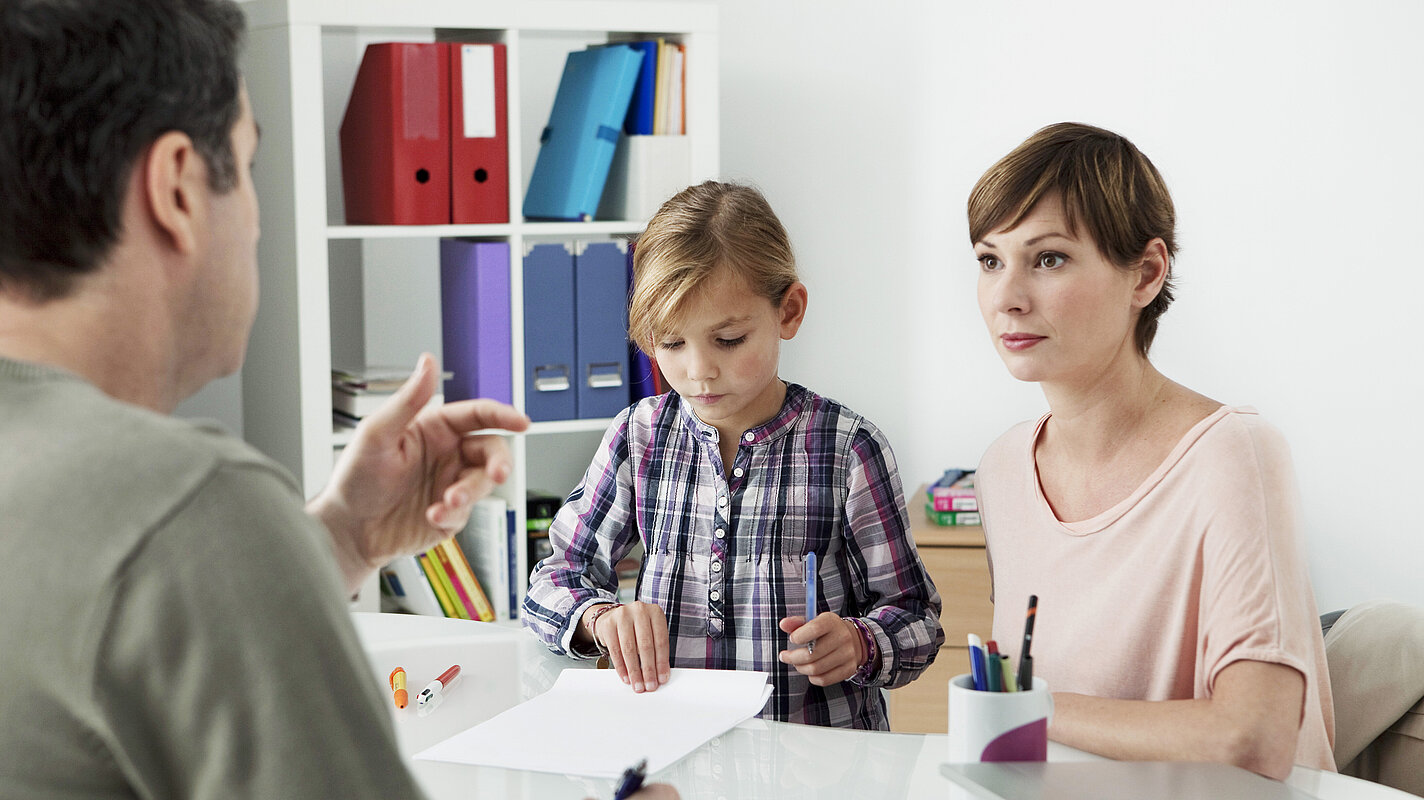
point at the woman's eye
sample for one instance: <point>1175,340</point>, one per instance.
<point>1052,260</point>
<point>669,345</point>
<point>731,342</point>
<point>988,263</point>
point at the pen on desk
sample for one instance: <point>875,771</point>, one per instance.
<point>977,664</point>
<point>1025,660</point>
<point>398,687</point>
<point>811,595</point>
<point>434,692</point>
<point>631,781</point>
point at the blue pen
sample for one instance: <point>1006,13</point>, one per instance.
<point>978,668</point>
<point>810,586</point>
<point>631,781</point>
<point>811,593</point>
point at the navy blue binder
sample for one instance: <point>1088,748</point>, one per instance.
<point>640,109</point>
<point>549,333</point>
<point>576,148</point>
<point>601,330</point>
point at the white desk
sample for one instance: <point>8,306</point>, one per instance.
<point>503,665</point>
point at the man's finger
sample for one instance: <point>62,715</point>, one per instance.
<point>468,416</point>
<point>397,412</point>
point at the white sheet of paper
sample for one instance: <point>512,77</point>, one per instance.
<point>590,723</point>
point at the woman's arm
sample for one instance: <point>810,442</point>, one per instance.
<point>1252,720</point>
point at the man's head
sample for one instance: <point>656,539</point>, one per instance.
<point>86,87</point>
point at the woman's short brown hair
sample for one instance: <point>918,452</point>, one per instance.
<point>705,227</point>
<point>1104,181</point>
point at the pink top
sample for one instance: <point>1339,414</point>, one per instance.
<point>1199,567</point>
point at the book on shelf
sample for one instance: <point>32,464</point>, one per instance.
<point>432,577</point>
<point>485,542</point>
<point>954,491</point>
<point>355,394</point>
<point>468,584</point>
<point>404,582</point>
<point>952,517</point>
<point>449,583</point>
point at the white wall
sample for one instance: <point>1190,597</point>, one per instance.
<point>1290,136</point>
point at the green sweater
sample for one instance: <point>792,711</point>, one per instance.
<point>171,620</point>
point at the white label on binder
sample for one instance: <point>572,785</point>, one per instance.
<point>477,78</point>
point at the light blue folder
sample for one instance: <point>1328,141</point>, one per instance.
<point>601,308</point>
<point>577,146</point>
<point>549,333</point>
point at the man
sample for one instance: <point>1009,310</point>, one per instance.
<point>172,624</point>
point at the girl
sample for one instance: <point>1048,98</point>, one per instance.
<point>729,481</point>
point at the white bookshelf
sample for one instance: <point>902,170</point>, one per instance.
<point>326,286</point>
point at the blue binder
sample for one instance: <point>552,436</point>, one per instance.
<point>475,319</point>
<point>549,333</point>
<point>576,148</point>
<point>601,310</point>
<point>640,109</point>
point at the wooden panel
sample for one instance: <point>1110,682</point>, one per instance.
<point>923,706</point>
<point>962,576</point>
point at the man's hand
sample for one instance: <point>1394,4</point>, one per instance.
<point>411,474</point>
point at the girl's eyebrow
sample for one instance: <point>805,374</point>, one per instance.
<point>729,322</point>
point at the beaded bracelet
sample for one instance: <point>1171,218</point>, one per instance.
<point>593,627</point>
<point>872,650</point>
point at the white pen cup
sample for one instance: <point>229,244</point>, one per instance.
<point>998,726</point>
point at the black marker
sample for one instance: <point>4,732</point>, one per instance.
<point>1025,660</point>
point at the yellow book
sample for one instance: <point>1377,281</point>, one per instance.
<point>482,608</point>
<point>435,583</point>
<point>452,584</point>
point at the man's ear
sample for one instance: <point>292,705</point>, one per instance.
<point>174,181</point>
<point>793,309</point>
<point>1156,265</point>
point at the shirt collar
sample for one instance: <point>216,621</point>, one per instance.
<point>778,425</point>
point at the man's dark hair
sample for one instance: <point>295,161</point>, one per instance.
<point>86,86</point>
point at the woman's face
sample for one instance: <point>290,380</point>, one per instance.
<point>1058,311</point>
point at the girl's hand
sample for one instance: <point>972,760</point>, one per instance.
<point>837,653</point>
<point>636,638</point>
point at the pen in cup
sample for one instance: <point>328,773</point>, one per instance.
<point>1025,677</point>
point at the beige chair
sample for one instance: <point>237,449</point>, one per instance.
<point>1375,652</point>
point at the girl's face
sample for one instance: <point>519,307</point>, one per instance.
<point>1057,309</point>
<point>721,353</point>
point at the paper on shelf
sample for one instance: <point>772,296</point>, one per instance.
<point>590,723</point>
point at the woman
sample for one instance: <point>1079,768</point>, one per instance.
<point>1157,527</point>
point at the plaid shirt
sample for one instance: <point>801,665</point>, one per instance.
<point>725,558</point>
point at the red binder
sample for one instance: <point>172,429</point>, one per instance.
<point>395,137</point>
<point>479,145</point>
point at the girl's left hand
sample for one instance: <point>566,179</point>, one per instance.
<point>836,654</point>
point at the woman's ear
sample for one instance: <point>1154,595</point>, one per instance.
<point>793,309</point>
<point>1152,272</point>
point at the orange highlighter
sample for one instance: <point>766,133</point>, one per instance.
<point>398,686</point>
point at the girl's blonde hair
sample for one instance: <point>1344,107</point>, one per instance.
<point>701,229</point>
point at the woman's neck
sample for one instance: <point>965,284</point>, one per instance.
<point>1098,419</point>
